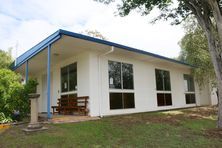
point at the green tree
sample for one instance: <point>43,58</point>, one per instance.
<point>208,14</point>
<point>5,59</point>
<point>194,50</point>
<point>13,95</point>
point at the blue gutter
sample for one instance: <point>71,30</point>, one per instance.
<point>57,35</point>
<point>35,50</point>
<point>96,40</point>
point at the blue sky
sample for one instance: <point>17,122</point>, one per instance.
<point>27,22</point>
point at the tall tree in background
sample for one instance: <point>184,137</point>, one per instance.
<point>94,33</point>
<point>194,50</point>
<point>5,59</point>
<point>208,14</point>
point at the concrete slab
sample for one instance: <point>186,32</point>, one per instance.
<point>27,130</point>
<point>71,119</point>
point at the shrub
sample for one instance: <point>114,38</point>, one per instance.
<point>31,86</point>
<point>13,95</point>
<point>5,58</point>
<point>4,119</point>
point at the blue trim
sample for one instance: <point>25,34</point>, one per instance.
<point>48,81</point>
<point>88,38</point>
<point>26,71</point>
<point>35,50</point>
<point>57,35</point>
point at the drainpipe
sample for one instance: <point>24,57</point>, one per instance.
<point>100,79</point>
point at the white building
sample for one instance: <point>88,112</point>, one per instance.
<point>118,79</point>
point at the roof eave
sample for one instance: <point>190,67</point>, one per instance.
<point>57,35</point>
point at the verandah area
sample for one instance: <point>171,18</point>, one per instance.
<point>56,66</point>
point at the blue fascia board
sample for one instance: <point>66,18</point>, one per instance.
<point>88,38</point>
<point>57,35</point>
<point>35,50</point>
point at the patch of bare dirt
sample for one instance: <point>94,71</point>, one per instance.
<point>213,133</point>
<point>129,120</point>
<point>201,112</point>
<point>168,117</point>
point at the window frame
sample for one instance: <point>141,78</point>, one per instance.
<point>121,90</point>
<point>73,91</point>
<point>164,92</point>
<point>164,89</point>
<point>165,102</point>
<point>189,92</point>
<point>122,100</point>
<point>121,76</point>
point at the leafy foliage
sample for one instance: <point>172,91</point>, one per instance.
<point>31,86</point>
<point>194,50</point>
<point>4,119</point>
<point>5,59</point>
<point>169,9</point>
<point>13,95</point>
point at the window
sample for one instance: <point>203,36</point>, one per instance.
<point>189,89</point>
<point>163,87</point>
<point>69,78</point>
<point>164,99</point>
<point>121,100</point>
<point>121,79</point>
<point>162,80</point>
<point>120,75</point>
<point>127,73</point>
<point>189,83</point>
<point>115,75</point>
<point>190,98</point>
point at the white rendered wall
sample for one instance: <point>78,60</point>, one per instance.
<point>95,85</point>
<point>82,80</point>
<point>145,87</point>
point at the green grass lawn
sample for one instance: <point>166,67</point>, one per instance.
<point>181,128</point>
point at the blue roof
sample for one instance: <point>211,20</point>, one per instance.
<point>55,36</point>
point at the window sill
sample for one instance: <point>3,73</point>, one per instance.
<point>165,106</point>
<point>190,104</point>
<point>189,92</point>
<point>122,109</point>
<point>163,91</point>
<point>122,90</point>
<point>69,92</point>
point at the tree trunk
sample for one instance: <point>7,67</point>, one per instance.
<point>218,17</point>
<point>220,105</point>
<point>217,63</point>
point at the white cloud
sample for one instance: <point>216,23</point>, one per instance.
<point>31,21</point>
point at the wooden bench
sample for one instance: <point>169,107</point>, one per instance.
<point>71,105</point>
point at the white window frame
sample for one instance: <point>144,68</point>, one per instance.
<point>68,92</point>
<point>121,90</point>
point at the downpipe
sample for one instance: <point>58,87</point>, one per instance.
<point>100,79</point>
